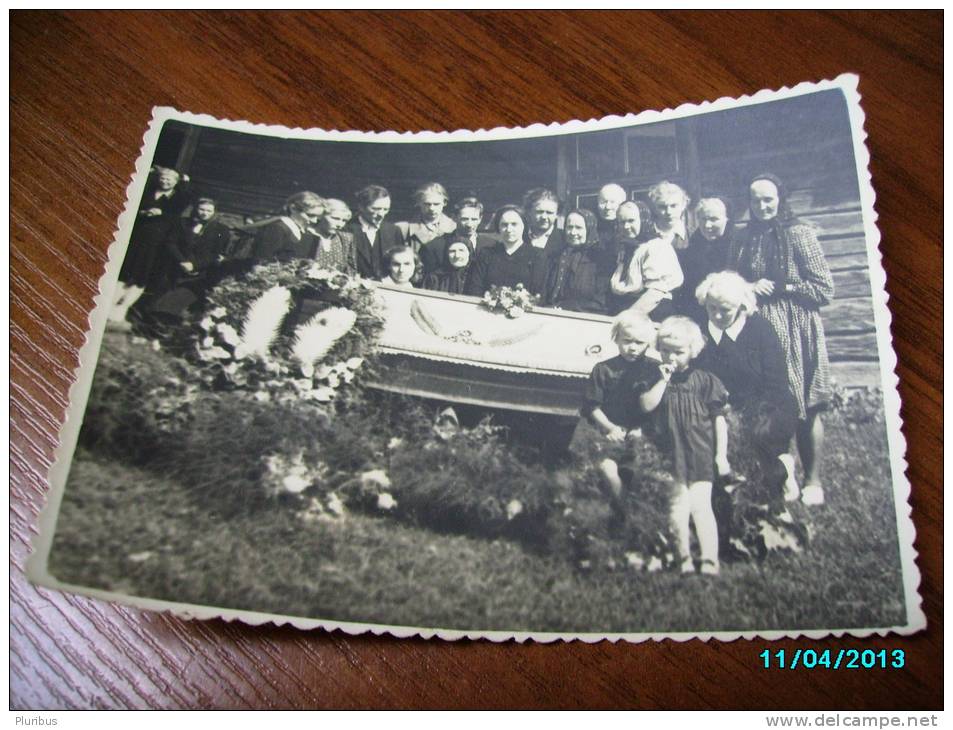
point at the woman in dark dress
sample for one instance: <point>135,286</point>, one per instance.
<point>165,199</point>
<point>290,237</point>
<point>451,276</point>
<point>192,257</point>
<point>647,271</point>
<point>792,281</point>
<point>707,252</point>
<point>198,243</point>
<point>579,275</point>
<point>143,270</point>
<point>510,262</point>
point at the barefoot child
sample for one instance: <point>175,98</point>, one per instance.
<point>611,400</point>
<point>688,425</point>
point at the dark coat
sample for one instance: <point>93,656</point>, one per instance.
<point>615,386</point>
<point>203,249</point>
<point>451,281</point>
<point>276,242</point>
<point>494,267</point>
<point>578,279</point>
<point>370,254</point>
<point>554,245</point>
<point>754,370</point>
<point>143,259</point>
<point>699,259</point>
<point>753,367</point>
<point>433,255</point>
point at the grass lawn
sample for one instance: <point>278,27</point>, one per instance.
<point>138,532</point>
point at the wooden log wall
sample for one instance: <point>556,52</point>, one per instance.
<point>253,176</point>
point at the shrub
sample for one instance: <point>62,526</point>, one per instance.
<point>857,405</point>
<point>139,401</point>
<point>468,480</point>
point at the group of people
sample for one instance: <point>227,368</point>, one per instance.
<point>722,315</point>
<point>743,335</point>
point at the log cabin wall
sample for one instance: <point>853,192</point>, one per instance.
<point>254,175</point>
<point>805,141</point>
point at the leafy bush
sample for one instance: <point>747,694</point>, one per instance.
<point>857,405</point>
<point>139,401</point>
<point>601,532</point>
<point>380,455</point>
<point>468,480</point>
<point>386,454</point>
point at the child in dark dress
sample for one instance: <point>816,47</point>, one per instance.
<point>744,352</point>
<point>611,400</point>
<point>688,425</point>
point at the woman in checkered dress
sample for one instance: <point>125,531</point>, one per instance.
<point>783,258</point>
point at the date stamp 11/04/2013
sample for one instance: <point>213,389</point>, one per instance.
<point>833,659</point>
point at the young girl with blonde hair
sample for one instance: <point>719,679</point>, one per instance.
<point>689,428</point>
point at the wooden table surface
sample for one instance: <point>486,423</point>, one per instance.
<point>81,89</point>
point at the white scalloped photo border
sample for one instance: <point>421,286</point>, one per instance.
<point>79,392</point>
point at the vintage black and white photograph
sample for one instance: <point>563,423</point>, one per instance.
<point>626,378</point>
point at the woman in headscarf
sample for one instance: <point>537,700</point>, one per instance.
<point>792,281</point>
<point>579,275</point>
<point>468,214</point>
<point>706,252</point>
<point>647,269</point>
<point>451,275</point>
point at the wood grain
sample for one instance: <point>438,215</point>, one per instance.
<point>82,86</point>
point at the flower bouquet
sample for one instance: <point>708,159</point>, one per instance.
<point>511,302</point>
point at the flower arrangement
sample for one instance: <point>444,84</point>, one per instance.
<point>285,332</point>
<point>511,302</point>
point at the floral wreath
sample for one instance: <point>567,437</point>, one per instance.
<point>286,332</point>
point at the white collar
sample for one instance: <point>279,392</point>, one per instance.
<point>542,239</point>
<point>732,331</point>
<point>292,226</point>
<point>367,226</point>
<point>677,230</point>
<point>388,280</point>
<point>443,224</point>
